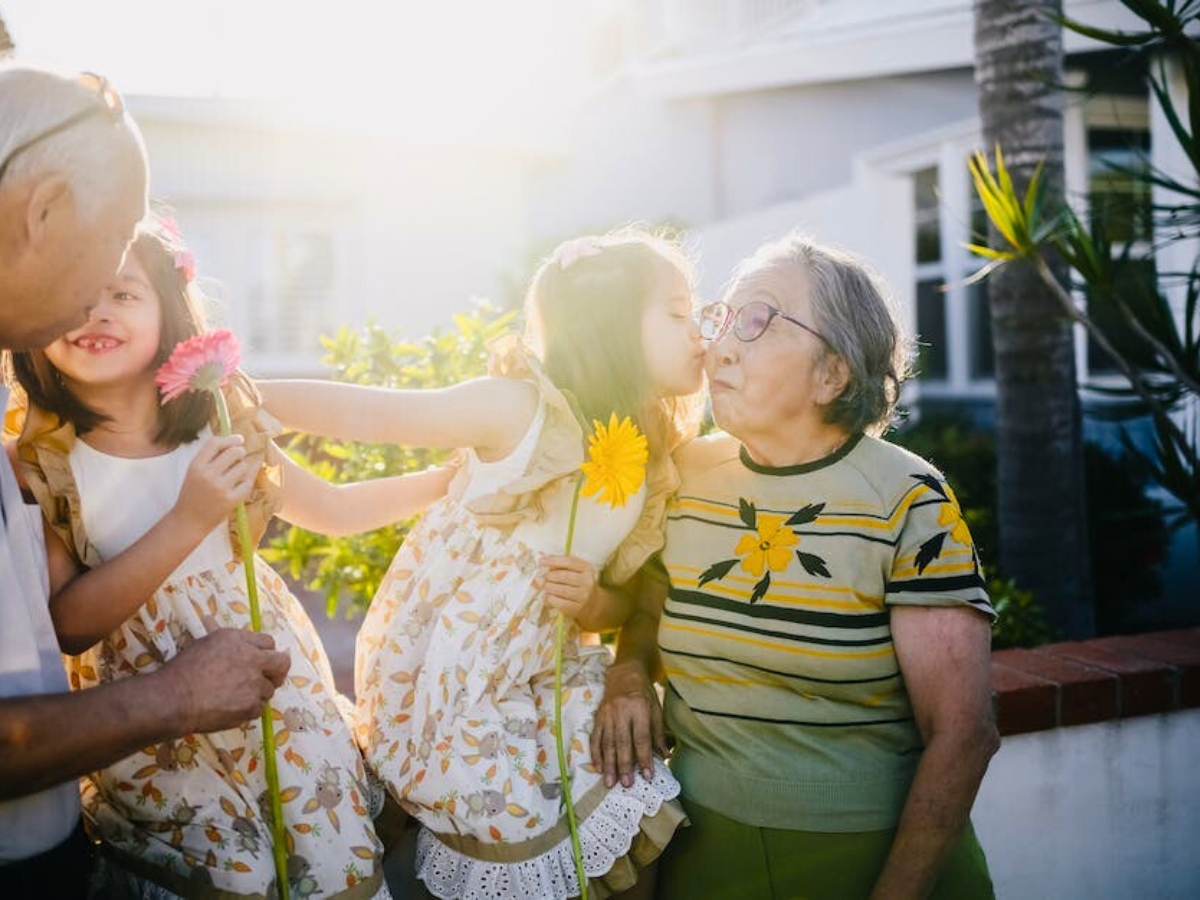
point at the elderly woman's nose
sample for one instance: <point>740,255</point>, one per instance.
<point>723,349</point>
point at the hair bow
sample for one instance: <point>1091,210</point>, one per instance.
<point>572,251</point>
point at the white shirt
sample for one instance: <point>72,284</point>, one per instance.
<point>29,663</point>
<point>122,498</point>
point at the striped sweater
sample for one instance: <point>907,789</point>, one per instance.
<point>784,694</point>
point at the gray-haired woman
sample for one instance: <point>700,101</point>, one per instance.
<point>820,615</point>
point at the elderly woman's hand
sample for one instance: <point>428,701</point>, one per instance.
<point>628,726</point>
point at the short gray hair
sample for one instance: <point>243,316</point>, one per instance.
<point>853,312</point>
<point>86,154</point>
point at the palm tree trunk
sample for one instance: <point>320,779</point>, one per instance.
<point>1041,504</point>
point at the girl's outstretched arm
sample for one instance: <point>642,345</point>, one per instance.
<point>489,414</point>
<point>338,509</point>
<point>87,604</point>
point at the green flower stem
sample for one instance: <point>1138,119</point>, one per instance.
<point>270,768</point>
<point>564,774</point>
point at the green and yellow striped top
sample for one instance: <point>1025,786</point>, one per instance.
<point>784,693</point>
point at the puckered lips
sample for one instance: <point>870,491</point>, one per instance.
<point>718,385</point>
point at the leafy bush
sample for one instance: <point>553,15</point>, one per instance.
<point>1020,620</point>
<point>348,570</point>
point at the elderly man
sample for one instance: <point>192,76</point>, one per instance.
<point>72,188</point>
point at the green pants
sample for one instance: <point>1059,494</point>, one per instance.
<point>719,858</point>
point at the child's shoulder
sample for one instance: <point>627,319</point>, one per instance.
<point>703,453</point>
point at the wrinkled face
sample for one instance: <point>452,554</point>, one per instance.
<point>671,339</point>
<point>768,387</point>
<point>86,256</point>
<point>119,342</point>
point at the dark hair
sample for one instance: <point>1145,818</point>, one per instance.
<point>179,421</point>
<point>584,312</point>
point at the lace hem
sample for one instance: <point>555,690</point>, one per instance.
<point>606,836</point>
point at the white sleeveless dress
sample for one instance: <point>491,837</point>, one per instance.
<point>186,817</point>
<point>454,675</point>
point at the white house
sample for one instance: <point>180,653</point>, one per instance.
<point>300,227</point>
<point>849,119</point>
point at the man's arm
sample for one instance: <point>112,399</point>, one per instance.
<point>218,682</point>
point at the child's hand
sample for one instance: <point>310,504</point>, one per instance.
<point>218,479</point>
<point>568,584</point>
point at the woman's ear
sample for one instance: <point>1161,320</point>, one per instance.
<point>832,377</point>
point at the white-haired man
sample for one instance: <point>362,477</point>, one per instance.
<point>72,189</point>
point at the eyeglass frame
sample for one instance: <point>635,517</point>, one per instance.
<point>731,318</point>
<point>111,104</point>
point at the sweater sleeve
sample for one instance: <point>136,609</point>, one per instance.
<point>935,563</point>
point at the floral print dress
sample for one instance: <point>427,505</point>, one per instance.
<point>455,678</point>
<point>189,817</point>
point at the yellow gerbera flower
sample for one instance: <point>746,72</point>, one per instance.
<point>616,465</point>
<point>769,548</point>
<point>951,514</point>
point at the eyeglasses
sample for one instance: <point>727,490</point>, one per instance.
<point>749,322</point>
<point>110,105</point>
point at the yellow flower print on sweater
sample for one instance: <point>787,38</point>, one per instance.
<point>949,517</point>
<point>769,547</point>
<point>951,514</point>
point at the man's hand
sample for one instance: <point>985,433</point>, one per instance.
<point>628,726</point>
<point>223,679</point>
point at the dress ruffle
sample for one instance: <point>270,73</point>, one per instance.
<point>558,454</point>
<point>628,829</point>
<point>44,449</point>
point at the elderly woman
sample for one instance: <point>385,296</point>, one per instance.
<point>825,631</point>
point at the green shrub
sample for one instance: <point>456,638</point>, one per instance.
<point>348,570</point>
<point>1020,620</point>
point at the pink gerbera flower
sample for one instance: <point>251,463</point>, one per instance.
<point>201,363</point>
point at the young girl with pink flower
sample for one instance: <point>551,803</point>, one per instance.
<point>137,494</point>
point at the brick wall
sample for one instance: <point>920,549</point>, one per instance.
<point>1095,793</point>
<point>1080,682</point>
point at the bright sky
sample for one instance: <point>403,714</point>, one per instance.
<point>436,60</point>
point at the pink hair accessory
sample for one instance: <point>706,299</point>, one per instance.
<point>185,262</point>
<point>574,250</point>
<point>184,259</point>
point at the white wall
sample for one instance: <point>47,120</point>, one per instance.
<point>418,229</point>
<point>792,143</point>
<point>1094,812</point>
<point>631,158</point>
<point>871,217</point>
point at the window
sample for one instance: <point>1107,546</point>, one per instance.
<point>1119,197</point>
<point>932,362</point>
<point>296,305</point>
<point>305,282</point>
<point>954,325</point>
